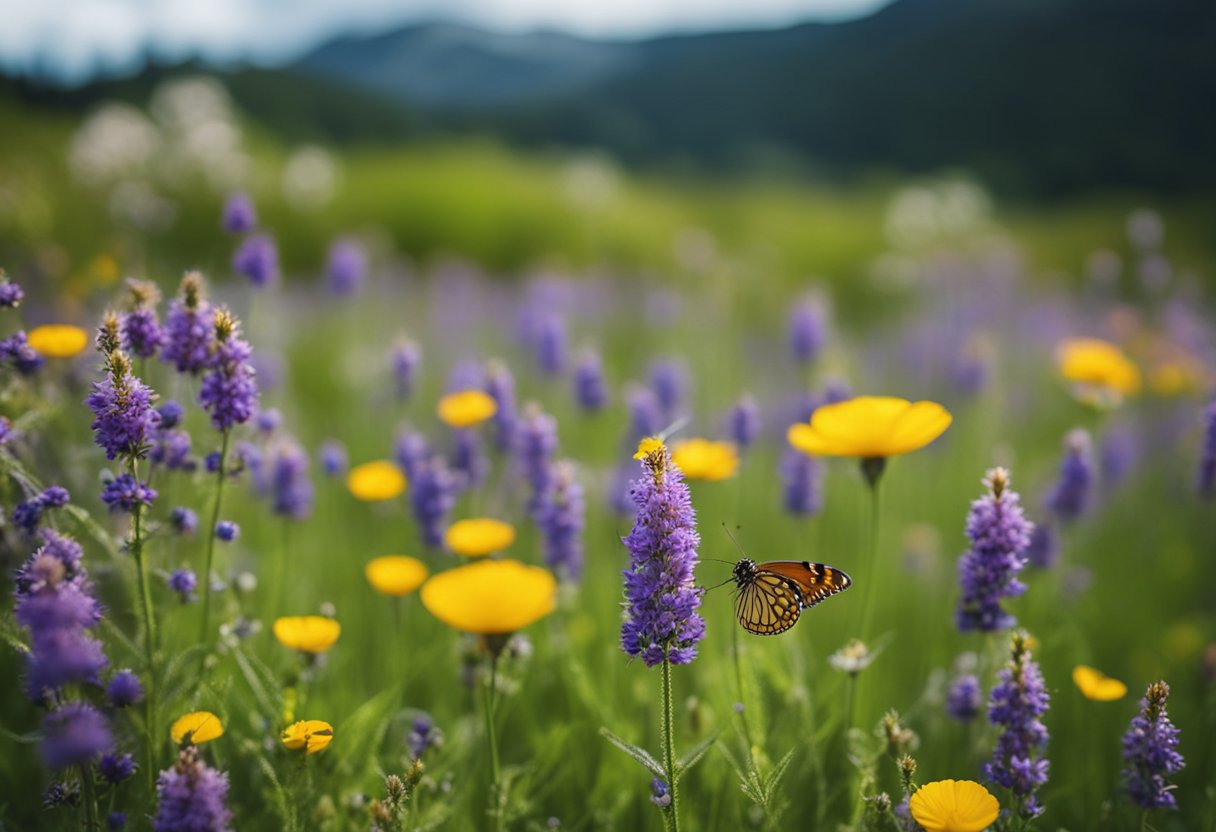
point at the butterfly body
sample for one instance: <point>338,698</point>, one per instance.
<point>772,595</point>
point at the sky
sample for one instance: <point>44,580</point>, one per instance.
<point>73,39</point>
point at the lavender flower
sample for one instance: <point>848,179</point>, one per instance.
<point>964,697</point>
<point>28,513</point>
<point>183,520</point>
<point>660,794</point>
<point>1070,497</point>
<point>334,460</point>
<point>183,582</point>
<point>171,449</point>
<point>1016,703</point>
<point>291,490</point>
<point>239,216</point>
<point>124,689</point>
<point>1150,749</point>
<point>116,821</point>
<point>11,294</point>
<point>229,392</point>
<point>560,515</point>
<point>669,380</point>
<point>662,622</point>
<point>403,360</point>
<point>645,416</point>
<point>411,451</point>
<point>171,414</point>
<point>469,462</point>
<point>142,335</point>
<point>999,534</point>
<point>808,329</point>
<point>268,420</point>
<point>432,496</point>
<point>589,389</point>
<point>15,350</point>
<point>500,386</point>
<point>189,328</point>
<point>1043,550</point>
<point>536,444</point>
<point>423,735</point>
<point>551,346</point>
<point>743,423</point>
<point>802,478</point>
<point>227,531</point>
<point>74,735</point>
<point>257,258</point>
<point>125,493</point>
<point>54,496</point>
<point>122,405</point>
<point>192,796</point>
<point>346,268</point>
<point>1206,483</point>
<point>116,768</point>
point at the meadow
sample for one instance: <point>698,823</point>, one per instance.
<point>620,308</point>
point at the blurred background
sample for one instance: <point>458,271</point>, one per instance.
<point>790,137</point>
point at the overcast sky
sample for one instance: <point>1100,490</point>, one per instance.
<point>71,37</point>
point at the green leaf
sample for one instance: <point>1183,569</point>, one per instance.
<point>749,783</point>
<point>774,777</point>
<point>693,756</point>
<point>358,736</point>
<point>639,754</point>
<point>256,685</point>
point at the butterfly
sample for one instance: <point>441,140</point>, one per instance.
<point>772,595</point>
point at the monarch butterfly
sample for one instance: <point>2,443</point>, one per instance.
<point>772,595</point>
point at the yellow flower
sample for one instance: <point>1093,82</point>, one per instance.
<point>57,340</point>
<point>870,427</point>
<point>466,408</point>
<point>1096,685</point>
<point>648,446</point>
<point>196,728</point>
<point>308,735</point>
<point>307,633</point>
<point>1091,362</point>
<point>375,481</point>
<point>478,536</point>
<point>395,574</point>
<point>703,459</point>
<point>490,597</point>
<point>953,806</point>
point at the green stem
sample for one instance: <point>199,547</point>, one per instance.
<point>747,731</point>
<point>141,569</point>
<point>495,799</point>
<point>672,815</point>
<point>215,517</point>
<point>89,797</point>
<point>871,575</point>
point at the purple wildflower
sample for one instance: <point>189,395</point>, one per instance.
<point>660,794</point>
<point>61,793</point>
<point>142,335</point>
<point>802,478</point>
<point>836,390</point>
<point>211,462</point>
<point>999,534</point>
<point>551,346</point>
<point>333,458</point>
<point>183,582</point>
<point>669,380</point>
<point>964,697</point>
<point>116,821</point>
<point>6,430</point>
<point>347,267</point>
<point>560,515</point>
<point>11,294</point>
<point>536,444</point>
<point>73,735</point>
<point>287,482</point>
<point>500,386</point>
<point>191,796</point>
<point>227,531</point>
<point>1043,550</point>
<point>125,493</point>
<point>808,329</point>
<point>1016,703</point>
<point>1070,496</point>
<point>239,216</point>
<point>1206,482</point>
<point>171,414</point>
<point>124,689</point>
<point>171,448</point>
<point>229,392</point>
<point>589,389</point>
<point>15,349</point>
<point>469,462</point>
<point>116,768</point>
<point>54,496</point>
<point>1119,454</point>
<point>122,405</point>
<point>257,258</point>
<point>645,417</point>
<point>403,360</point>
<point>743,422</point>
<point>662,623</point>
<point>1150,749</point>
<point>27,514</point>
<point>423,735</point>
<point>183,520</point>
<point>189,328</point>
<point>411,451</point>
<point>268,420</point>
<point>432,496</point>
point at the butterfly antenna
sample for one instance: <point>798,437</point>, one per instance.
<point>732,540</point>
<point>715,586</point>
<point>718,560</point>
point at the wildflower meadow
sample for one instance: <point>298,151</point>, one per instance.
<point>303,529</point>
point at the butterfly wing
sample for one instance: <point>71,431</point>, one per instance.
<point>815,581</point>
<point>768,604</point>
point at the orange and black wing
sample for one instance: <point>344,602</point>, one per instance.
<point>768,604</point>
<point>815,581</point>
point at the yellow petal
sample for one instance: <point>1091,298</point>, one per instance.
<point>196,728</point>
<point>309,736</point>
<point>1092,361</point>
<point>57,340</point>
<point>466,408</point>
<point>490,597</point>
<point>702,459</point>
<point>395,574</point>
<point>953,806</point>
<point>479,536</point>
<point>376,481</point>
<point>648,446</point>
<point>870,426</point>
<point>1096,685</point>
<point>307,633</point>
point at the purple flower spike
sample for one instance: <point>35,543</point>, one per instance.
<point>189,328</point>
<point>257,258</point>
<point>662,622</point>
<point>403,360</point>
<point>536,444</point>
<point>1070,497</point>
<point>183,582</point>
<point>432,496</point>
<point>347,267</point>
<point>1016,705</point>
<point>1206,482</point>
<point>125,493</point>
<point>1150,750</point>
<point>74,734</point>
<point>124,689</point>
<point>239,215</point>
<point>551,346</point>
<point>589,389</point>
<point>191,795</point>
<point>500,386</point>
<point>229,392</point>
<point>561,519</point>
<point>999,534</point>
<point>743,423</point>
<point>964,698</point>
<point>291,490</point>
<point>11,294</point>
<point>808,329</point>
<point>802,477</point>
<point>122,406</point>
